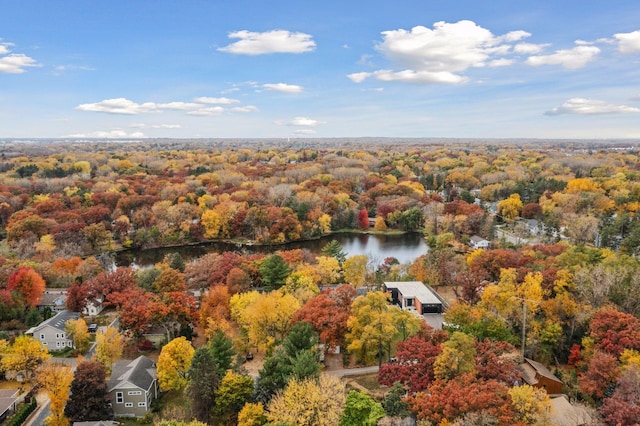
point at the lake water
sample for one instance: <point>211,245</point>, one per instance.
<point>404,247</point>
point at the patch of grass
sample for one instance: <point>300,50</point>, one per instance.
<point>369,381</point>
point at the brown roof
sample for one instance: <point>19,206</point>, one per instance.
<point>531,369</point>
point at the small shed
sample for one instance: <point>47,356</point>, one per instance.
<point>539,376</point>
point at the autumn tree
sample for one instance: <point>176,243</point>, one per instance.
<point>453,399</point>
<point>234,392</point>
<point>371,328</point>
<point>361,410</point>
<point>77,296</point>
<point>28,283</point>
<point>355,270</point>
<point>457,357</point>
<point>173,364</point>
<point>88,393</point>
<point>55,379</point>
<point>601,375</point>
<point>108,347</point>
<point>203,383</point>
<point>613,331</point>
<point>510,208</point>
<point>414,361</point>
<point>252,414</point>
<point>532,405</point>
<point>310,402</point>
<point>78,332</point>
<point>623,407</point>
<point>363,219</point>
<point>328,314</point>
<point>26,354</point>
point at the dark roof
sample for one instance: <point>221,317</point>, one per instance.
<point>531,368</point>
<point>59,320</point>
<point>49,299</point>
<point>141,372</point>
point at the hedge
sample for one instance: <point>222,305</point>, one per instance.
<point>19,417</point>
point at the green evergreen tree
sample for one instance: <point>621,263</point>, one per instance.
<point>33,317</point>
<point>334,249</point>
<point>393,403</point>
<point>274,271</point>
<point>203,384</point>
<point>222,353</point>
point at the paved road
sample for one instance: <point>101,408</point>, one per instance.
<point>348,372</point>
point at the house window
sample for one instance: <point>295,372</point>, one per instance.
<point>128,404</point>
<point>119,397</point>
<point>142,404</point>
<point>135,392</point>
<point>42,337</point>
<point>57,344</point>
<point>62,335</point>
<point>70,344</point>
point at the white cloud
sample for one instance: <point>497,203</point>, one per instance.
<point>180,106</point>
<point>502,62</point>
<point>276,41</point>
<point>439,55</point>
<point>628,42</point>
<point>283,87</point>
<point>110,134</point>
<point>216,101</point>
<point>248,108</point>
<point>14,63</point>
<point>155,126</point>
<point>118,106</point>
<point>300,122</point>
<point>582,106</point>
<point>207,111</point>
<point>574,58</point>
<point>529,48</point>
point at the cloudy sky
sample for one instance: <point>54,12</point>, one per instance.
<point>278,69</point>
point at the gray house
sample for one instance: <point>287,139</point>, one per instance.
<point>132,387</point>
<point>55,300</point>
<point>51,332</point>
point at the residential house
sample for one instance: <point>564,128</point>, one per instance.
<point>55,300</point>
<point>93,307</point>
<point>8,401</point>
<point>51,332</point>
<point>477,242</point>
<point>415,296</point>
<point>132,387</point>
<point>539,376</point>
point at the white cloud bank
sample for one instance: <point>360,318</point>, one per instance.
<point>582,106</point>
<point>441,54</point>
<point>14,63</point>
<point>276,41</point>
<point>574,58</point>
<point>201,106</point>
<point>283,87</point>
<point>628,43</point>
<point>109,134</point>
<point>300,122</point>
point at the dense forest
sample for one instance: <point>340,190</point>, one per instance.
<point>561,219</point>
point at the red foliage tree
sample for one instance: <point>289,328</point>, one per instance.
<point>601,375</point>
<point>462,395</point>
<point>328,316</point>
<point>613,331</point>
<point>531,211</point>
<point>77,296</point>
<point>414,361</point>
<point>363,219</point>
<point>494,363</point>
<point>575,355</point>
<point>109,283</point>
<point>28,283</point>
<point>238,281</point>
<point>623,408</point>
<point>137,308</point>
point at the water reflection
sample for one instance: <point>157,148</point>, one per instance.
<point>404,247</point>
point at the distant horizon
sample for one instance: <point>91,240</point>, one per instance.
<point>284,69</point>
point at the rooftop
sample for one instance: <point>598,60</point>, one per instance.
<point>414,289</point>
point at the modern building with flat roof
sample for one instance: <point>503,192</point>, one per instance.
<point>415,295</point>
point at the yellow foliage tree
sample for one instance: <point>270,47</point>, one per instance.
<point>56,380</point>
<point>252,415</point>
<point>355,269</point>
<point>311,402</point>
<point>510,208</point>
<point>78,332</point>
<point>212,223</point>
<point>532,404</point>
<point>371,326</point>
<point>173,364</point>
<point>329,269</point>
<point>108,347</point>
<point>25,355</point>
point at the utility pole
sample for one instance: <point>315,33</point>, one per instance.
<point>524,321</point>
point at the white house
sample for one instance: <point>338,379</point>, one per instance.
<point>51,332</point>
<point>477,242</point>
<point>93,306</point>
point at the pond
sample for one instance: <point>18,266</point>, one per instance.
<point>404,247</point>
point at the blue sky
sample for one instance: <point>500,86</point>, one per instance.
<point>277,69</point>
